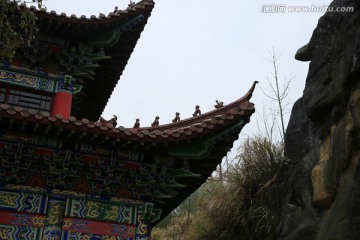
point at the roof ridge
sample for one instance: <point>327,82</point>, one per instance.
<point>131,8</point>
<point>186,129</point>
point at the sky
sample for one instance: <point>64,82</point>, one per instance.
<point>195,52</point>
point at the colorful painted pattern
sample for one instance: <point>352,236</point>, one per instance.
<point>23,202</point>
<point>54,218</point>
<point>143,226</point>
<point>55,226</point>
<point>112,212</point>
<point>66,85</point>
<point>28,81</point>
<point>37,162</point>
<point>19,232</point>
<point>93,149</point>
<point>22,219</point>
<point>30,139</point>
<point>48,69</point>
<point>88,236</point>
<point>97,227</point>
<point>79,208</point>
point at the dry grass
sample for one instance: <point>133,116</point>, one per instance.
<point>246,205</point>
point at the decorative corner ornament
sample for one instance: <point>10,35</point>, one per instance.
<point>156,122</point>
<point>66,85</point>
<point>177,117</point>
<point>197,111</point>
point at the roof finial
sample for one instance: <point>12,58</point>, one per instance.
<point>137,123</point>
<point>250,92</point>
<point>116,9</point>
<point>156,122</point>
<point>218,104</point>
<point>197,111</point>
<point>113,121</point>
<point>177,117</point>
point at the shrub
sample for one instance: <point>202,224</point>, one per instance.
<point>246,204</point>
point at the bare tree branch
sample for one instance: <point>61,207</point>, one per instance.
<point>278,93</point>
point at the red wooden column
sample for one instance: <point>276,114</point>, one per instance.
<point>62,104</point>
<point>63,97</point>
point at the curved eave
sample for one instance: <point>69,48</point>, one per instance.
<point>102,19</point>
<point>192,128</point>
<point>94,29</point>
<point>86,30</point>
<point>214,132</point>
<point>99,90</point>
<point>204,167</point>
<point>96,93</point>
<point>239,107</point>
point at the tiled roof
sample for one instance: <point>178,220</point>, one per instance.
<point>125,25</point>
<point>100,19</point>
<point>203,140</point>
<point>186,129</point>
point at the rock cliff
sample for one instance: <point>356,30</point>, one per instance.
<point>323,135</point>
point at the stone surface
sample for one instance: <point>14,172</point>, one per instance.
<point>323,135</point>
<point>303,54</point>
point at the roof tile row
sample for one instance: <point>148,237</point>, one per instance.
<point>140,5</point>
<point>174,130</point>
<point>185,129</point>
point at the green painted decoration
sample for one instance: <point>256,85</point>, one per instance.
<point>11,232</point>
<point>38,83</point>
<point>54,218</point>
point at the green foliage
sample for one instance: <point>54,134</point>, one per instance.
<point>245,205</point>
<point>17,27</point>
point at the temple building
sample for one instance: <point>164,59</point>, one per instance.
<point>66,173</point>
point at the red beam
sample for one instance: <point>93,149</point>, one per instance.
<point>97,227</point>
<point>22,219</point>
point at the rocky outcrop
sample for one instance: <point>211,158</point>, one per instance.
<point>323,135</point>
